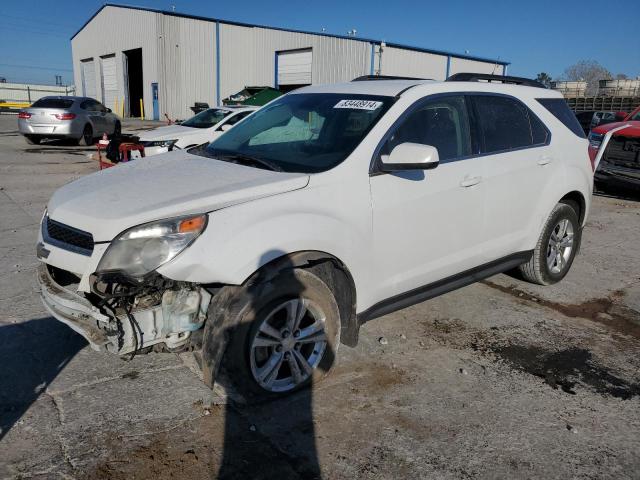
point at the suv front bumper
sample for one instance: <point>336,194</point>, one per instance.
<point>72,309</point>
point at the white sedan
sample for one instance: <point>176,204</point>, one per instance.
<point>204,127</point>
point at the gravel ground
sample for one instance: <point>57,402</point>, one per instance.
<point>501,379</point>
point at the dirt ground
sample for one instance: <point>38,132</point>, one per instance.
<point>501,379</point>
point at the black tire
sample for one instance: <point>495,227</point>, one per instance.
<point>32,140</point>
<point>87,136</point>
<point>252,307</point>
<point>537,269</point>
<point>117,130</point>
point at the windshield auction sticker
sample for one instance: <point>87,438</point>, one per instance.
<point>358,104</point>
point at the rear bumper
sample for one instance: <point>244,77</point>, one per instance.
<point>62,129</point>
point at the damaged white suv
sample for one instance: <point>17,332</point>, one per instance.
<point>330,206</point>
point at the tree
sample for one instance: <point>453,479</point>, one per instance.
<point>544,78</point>
<point>588,71</point>
<point>621,76</point>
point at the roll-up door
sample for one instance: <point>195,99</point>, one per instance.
<point>88,78</point>
<point>294,67</point>
<point>109,82</point>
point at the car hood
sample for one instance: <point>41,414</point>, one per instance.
<point>163,186</point>
<point>632,131</point>
<point>170,132</point>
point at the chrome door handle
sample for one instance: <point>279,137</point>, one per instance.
<point>544,160</point>
<point>470,182</point>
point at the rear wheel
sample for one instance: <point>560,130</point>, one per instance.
<point>556,247</point>
<point>87,136</point>
<point>32,140</point>
<point>285,337</point>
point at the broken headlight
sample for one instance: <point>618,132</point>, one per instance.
<point>144,248</point>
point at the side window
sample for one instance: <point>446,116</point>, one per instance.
<point>507,124</point>
<point>442,123</point>
<point>86,105</point>
<point>100,108</point>
<point>559,108</point>
<point>236,118</point>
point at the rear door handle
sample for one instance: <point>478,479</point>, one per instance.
<point>470,182</point>
<point>544,160</point>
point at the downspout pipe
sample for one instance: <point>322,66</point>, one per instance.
<point>217,63</point>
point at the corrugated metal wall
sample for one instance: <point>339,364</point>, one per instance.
<point>111,32</point>
<point>397,61</point>
<point>463,65</point>
<point>187,66</point>
<point>248,56</point>
<point>180,55</point>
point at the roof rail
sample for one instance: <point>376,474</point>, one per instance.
<point>365,78</point>
<point>475,77</point>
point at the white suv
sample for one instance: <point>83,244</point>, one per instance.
<point>328,207</point>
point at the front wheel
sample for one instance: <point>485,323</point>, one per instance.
<point>556,248</point>
<point>286,336</point>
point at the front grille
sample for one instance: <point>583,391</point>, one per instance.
<point>623,152</point>
<point>67,237</point>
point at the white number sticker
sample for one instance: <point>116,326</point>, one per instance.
<point>358,104</point>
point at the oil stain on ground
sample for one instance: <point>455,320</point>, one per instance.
<point>566,369</point>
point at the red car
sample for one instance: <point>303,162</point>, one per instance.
<point>620,163</point>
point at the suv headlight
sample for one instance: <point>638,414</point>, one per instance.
<point>144,248</point>
<point>160,143</point>
<point>595,139</point>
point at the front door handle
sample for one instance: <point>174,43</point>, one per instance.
<point>470,182</point>
<point>544,160</point>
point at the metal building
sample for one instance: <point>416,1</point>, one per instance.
<point>124,54</point>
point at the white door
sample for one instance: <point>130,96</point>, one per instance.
<point>519,165</point>
<point>427,225</point>
<point>294,67</point>
<point>88,70</point>
<point>109,82</point>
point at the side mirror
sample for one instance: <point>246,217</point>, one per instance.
<point>225,127</point>
<point>620,116</point>
<point>411,156</point>
<point>108,110</point>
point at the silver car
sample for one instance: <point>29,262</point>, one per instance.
<point>79,118</point>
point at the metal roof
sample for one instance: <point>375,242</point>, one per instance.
<point>322,34</point>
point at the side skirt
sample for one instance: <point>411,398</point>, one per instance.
<point>440,287</point>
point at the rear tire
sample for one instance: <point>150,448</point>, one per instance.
<point>87,136</point>
<point>301,319</point>
<point>117,130</point>
<point>556,248</point>
<point>32,140</point>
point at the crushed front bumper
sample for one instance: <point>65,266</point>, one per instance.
<point>170,322</point>
<point>72,309</point>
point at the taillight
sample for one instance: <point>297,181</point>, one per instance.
<point>24,115</point>
<point>65,116</point>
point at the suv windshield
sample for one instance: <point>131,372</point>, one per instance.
<point>304,132</point>
<point>206,119</point>
<point>52,103</point>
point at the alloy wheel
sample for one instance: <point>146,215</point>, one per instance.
<point>288,345</point>
<point>560,246</point>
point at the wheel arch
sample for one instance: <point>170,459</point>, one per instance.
<point>332,271</point>
<point>577,198</point>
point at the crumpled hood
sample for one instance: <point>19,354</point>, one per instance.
<point>163,186</point>
<point>170,132</point>
<point>633,130</point>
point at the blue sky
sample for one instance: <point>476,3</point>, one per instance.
<point>534,36</point>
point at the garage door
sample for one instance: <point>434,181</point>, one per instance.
<point>109,82</point>
<point>88,78</point>
<point>294,67</point>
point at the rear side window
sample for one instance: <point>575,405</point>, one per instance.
<point>441,123</point>
<point>52,103</point>
<point>507,124</point>
<point>559,108</point>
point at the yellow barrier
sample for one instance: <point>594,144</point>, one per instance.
<point>14,104</point>
<point>141,110</point>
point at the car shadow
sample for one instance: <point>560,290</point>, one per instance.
<point>272,438</point>
<point>32,354</point>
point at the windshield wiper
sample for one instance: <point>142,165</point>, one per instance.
<point>244,158</point>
